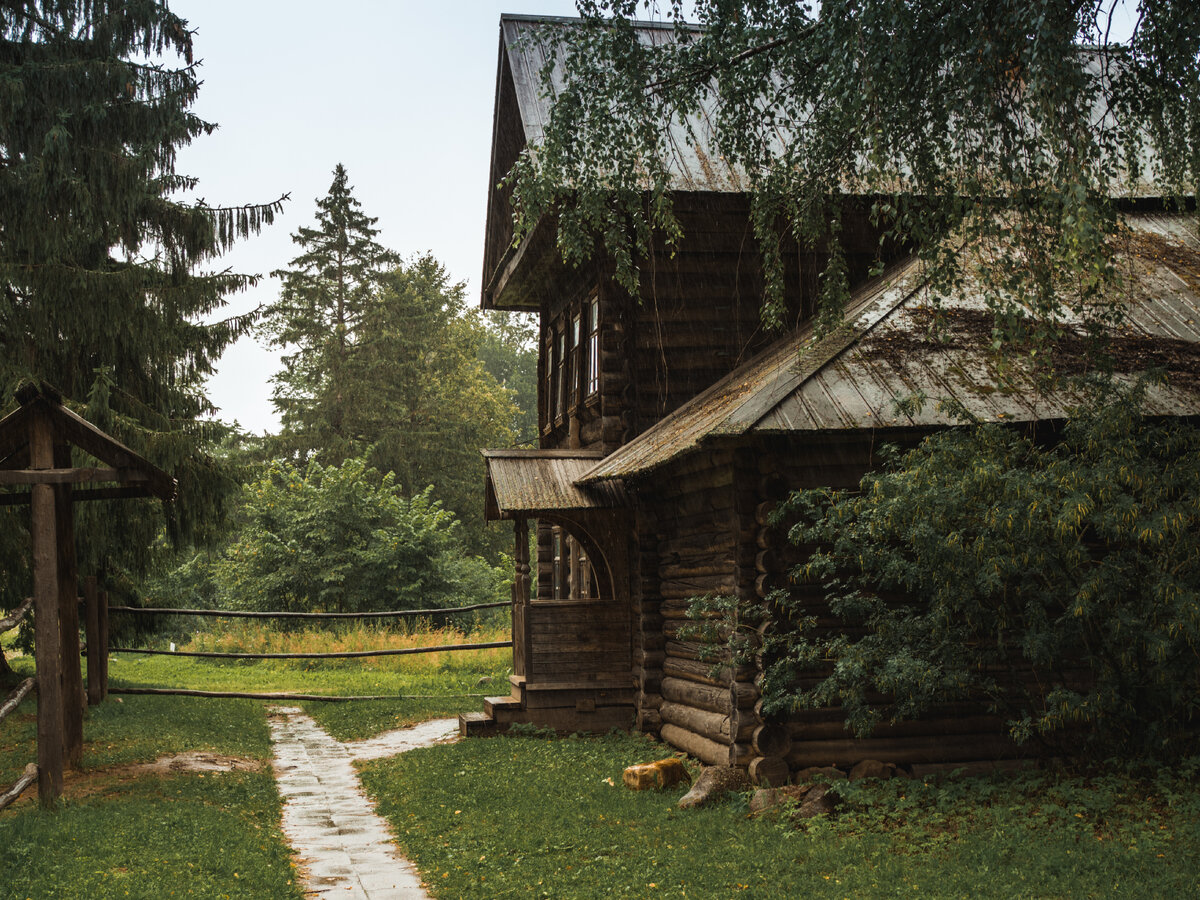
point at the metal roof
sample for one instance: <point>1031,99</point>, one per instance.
<point>851,378</point>
<point>693,164</point>
<point>527,482</point>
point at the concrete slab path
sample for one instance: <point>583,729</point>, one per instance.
<point>344,846</point>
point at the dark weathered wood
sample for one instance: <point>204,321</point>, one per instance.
<point>74,696</point>
<point>47,633</point>
<point>698,670</point>
<point>11,621</point>
<point>705,749</point>
<point>712,725</point>
<point>261,695</point>
<point>351,654</point>
<point>91,611</point>
<point>769,771</point>
<point>102,609</point>
<point>771,740</point>
<point>701,696</point>
<point>255,614</point>
<point>19,693</point>
<point>980,723</point>
<point>67,476</point>
<point>109,493</point>
<point>925,749</point>
<point>27,778</point>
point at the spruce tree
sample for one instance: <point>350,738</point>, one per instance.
<point>99,289</point>
<point>320,311</point>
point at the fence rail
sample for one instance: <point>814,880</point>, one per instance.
<point>270,695</point>
<point>11,621</point>
<point>14,699</point>
<point>255,614</point>
<point>28,778</point>
<point>349,654</point>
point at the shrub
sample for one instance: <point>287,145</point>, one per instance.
<point>344,539</point>
<point>982,555</point>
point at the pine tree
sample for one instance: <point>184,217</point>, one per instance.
<point>432,403</point>
<point>99,293</point>
<point>320,311</point>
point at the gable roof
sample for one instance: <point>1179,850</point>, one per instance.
<point>527,41</point>
<point>851,378</point>
<point>136,475</point>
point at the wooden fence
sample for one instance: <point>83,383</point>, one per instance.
<point>96,621</point>
<point>11,703</point>
<point>254,614</point>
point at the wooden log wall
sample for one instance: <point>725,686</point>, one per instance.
<point>704,707</point>
<point>954,732</point>
<point>649,642</point>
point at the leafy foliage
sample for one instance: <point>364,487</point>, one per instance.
<point>1006,127</point>
<point>387,362</point>
<point>323,301</point>
<point>509,354</point>
<point>343,539</point>
<point>99,289</point>
<point>982,556</point>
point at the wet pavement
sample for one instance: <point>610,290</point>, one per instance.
<point>344,847</point>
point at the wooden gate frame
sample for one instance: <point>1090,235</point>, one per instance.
<point>35,450</point>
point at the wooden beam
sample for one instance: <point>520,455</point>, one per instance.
<point>107,493</point>
<point>74,698</point>
<point>91,600</point>
<point>47,634</point>
<point>71,476</point>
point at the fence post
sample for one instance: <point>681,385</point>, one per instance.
<point>92,616</point>
<point>47,636</point>
<point>74,698</point>
<point>102,640</point>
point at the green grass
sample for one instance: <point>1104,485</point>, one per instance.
<point>427,686</point>
<point>123,833</point>
<point>530,817</point>
<point>214,836</point>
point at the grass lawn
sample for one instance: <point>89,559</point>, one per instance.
<point>123,832</point>
<point>531,817</point>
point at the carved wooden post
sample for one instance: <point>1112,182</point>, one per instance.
<point>520,594</point>
<point>47,633</point>
<point>91,600</point>
<point>74,698</point>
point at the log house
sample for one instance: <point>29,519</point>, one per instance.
<point>670,425</point>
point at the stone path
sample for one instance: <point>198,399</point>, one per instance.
<point>345,848</point>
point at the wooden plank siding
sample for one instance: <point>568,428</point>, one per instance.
<point>577,640</point>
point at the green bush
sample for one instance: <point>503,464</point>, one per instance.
<point>344,539</point>
<point>982,554</point>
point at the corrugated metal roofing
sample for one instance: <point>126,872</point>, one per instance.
<point>694,165</point>
<point>526,482</point>
<point>851,378</point>
<point>692,160</point>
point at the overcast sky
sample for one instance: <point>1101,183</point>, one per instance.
<point>399,92</point>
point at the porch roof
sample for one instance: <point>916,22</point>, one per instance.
<point>528,482</point>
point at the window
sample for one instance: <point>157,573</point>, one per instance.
<point>593,346</point>
<point>548,362</point>
<point>560,392</point>
<point>560,580</point>
<point>575,350</point>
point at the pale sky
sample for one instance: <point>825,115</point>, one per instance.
<point>399,92</point>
